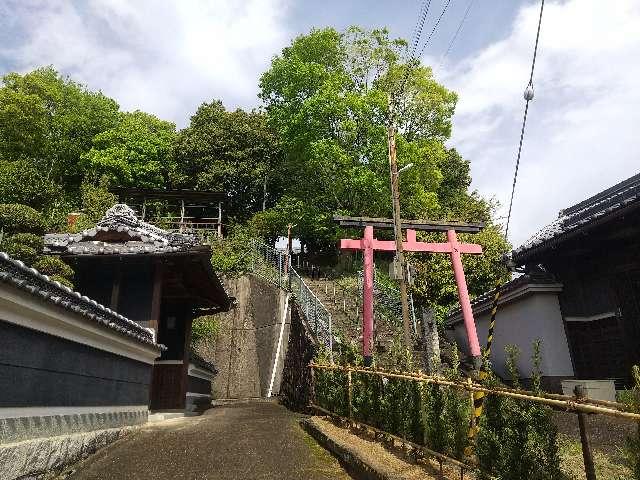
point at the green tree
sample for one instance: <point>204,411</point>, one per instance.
<point>136,152</point>
<point>51,121</point>
<point>327,96</point>
<point>22,182</point>
<point>234,152</point>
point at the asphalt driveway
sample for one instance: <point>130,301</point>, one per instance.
<point>243,440</point>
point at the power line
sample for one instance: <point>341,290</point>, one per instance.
<point>528,96</point>
<point>424,11</point>
<point>435,27</point>
<point>455,35</point>
<point>417,30</point>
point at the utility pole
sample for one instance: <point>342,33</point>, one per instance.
<point>395,196</point>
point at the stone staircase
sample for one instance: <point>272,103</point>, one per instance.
<point>345,307</point>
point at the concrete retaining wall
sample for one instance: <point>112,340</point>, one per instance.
<point>245,350</point>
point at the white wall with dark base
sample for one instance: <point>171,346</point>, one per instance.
<point>524,315</point>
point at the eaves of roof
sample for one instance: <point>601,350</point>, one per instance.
<point>17,274</point>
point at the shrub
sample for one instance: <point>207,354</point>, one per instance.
<point>517,439</point>
<point>18,218</point>
<point>232,255</point>
<point>62,280</point>
<point>21,252</point>
<point>205,327</point>
<point>21,181</point>
<point>28,239</point>
<point>96,200</point>
<point>51,266</point>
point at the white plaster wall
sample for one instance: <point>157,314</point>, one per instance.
<point>520,323</point>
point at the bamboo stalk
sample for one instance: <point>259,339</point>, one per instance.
<point>561,401</point>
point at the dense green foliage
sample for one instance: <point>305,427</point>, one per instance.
<point>206,327</point>
<point>136,152</point>
<point>429,415</point>
<point>51,121</point>
<point>319,145</point>
<point>518,439</point>
<point>22,229</point>
<point>232,152</point>
<point>17,218</point>
<point>327,95</point>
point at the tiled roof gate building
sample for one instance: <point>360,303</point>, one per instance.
<point>159,279</point>
<point>592,252</point>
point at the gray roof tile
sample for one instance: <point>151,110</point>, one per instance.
<point>580,216</point>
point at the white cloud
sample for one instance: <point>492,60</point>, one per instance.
<point>164,57</point>
<point>581,133</point>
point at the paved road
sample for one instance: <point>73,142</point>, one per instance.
<point>243,440</point>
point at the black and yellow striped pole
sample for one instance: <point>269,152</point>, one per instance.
<point>478,397</point>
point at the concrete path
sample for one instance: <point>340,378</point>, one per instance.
<point>242,440</point>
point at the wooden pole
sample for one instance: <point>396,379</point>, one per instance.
<point>587,455</point>
<point>395,194</point>
<point>156,297</point>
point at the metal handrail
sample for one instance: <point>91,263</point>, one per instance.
<point>275,267</point>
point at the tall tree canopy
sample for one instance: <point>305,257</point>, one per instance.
<point>234,152</point>
<point>327,95</point>
<point>136,152</point>
<point>51,121</point>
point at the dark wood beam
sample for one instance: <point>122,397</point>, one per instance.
<point>423,225</point>
<point>115,287</point>
<point>156,296</point>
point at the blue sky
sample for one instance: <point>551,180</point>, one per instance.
<point>166,57</point>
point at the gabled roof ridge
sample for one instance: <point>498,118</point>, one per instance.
<point>145,238</point>
<point>616,189</point>
<point>577,217</point>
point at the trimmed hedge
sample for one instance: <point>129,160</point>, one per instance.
<point>28,239</point>
<point>18,218</point>
<point>53,266</point>
<point>21,252</point>
<point>62,280</point>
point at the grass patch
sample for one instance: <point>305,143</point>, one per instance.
<point>608,466</point>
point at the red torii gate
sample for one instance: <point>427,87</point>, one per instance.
<point>368,244</point>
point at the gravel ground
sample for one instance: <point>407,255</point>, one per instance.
<point>242,440</point>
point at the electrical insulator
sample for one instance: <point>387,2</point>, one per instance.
<point>528,93</point>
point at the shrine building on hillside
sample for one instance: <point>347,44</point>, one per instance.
<point>161,280</point>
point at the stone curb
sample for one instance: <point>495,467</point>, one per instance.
<point>349,457</point>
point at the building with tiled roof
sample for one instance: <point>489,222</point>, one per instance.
<point>161,280</point>
<point>591,253</point>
